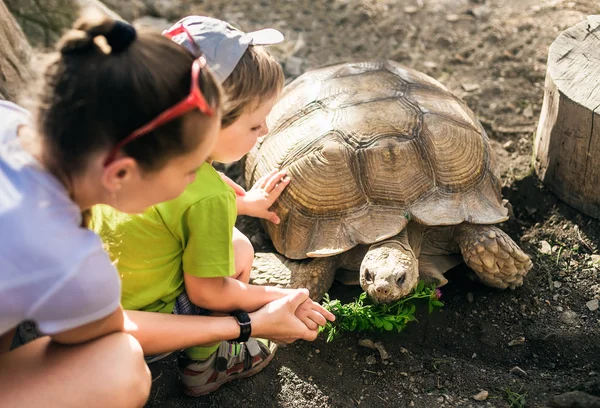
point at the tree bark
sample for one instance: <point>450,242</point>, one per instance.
<point>15,54</point>
<point>567,145</point>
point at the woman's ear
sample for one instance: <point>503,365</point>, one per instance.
<point>119,172</point>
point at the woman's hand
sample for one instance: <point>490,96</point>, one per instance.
<point>277,320</point>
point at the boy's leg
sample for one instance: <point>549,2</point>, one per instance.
<point>107,372</point>
<point>244,256</point>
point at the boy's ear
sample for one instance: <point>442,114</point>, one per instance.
<point>119,172</point>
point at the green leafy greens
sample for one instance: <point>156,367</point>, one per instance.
<point>363,315</point>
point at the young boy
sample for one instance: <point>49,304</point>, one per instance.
<point>186,256</point>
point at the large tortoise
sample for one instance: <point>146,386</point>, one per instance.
<point>391,175</point>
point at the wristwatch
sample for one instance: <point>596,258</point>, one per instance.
<point>245,325</point>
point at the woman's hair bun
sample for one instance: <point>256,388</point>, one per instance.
<point>80,39</point>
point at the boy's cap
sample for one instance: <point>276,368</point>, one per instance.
<point>221,44</point>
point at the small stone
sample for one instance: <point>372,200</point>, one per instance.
<point>411,9</point>
<point>469,297</point>
<point>371,360</point>
<point>518,371</point>
<point>412,404</point>
<point>595,259</point>
<point>481,396</point>
<point>559,308</point>
<point>403,350</point>
<point>516,342</point>
<point>382,351</point>
<point>471,87</point>
<point>509,146</point>
<point>440,400</point>
<point>592,305</point>
<point>452,17</point>
<point>368,343</point>
<point>557,284</point>
<point>430,64</point>
<point>528,112</point>
<point>546,248</point>
<point>474,355</point>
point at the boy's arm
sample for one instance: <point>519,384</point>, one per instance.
<point>228,294</point>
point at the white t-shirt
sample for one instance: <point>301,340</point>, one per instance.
<point>52,271</point>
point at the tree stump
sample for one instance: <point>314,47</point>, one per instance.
<point>15,54</point>
<point>567,145</point>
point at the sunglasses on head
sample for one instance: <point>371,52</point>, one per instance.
<point>195,100</point>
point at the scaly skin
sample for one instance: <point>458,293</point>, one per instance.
<point>493,255</point>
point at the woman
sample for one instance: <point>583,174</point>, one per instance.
<point>117,124</point>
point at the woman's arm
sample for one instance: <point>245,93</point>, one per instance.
<point>160,332</point>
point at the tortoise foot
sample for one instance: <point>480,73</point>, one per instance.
<point>493,255</point>
<point>314,274</point>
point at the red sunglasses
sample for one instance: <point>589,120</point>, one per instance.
<point>195,100</point>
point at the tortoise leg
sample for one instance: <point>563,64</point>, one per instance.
<point>315,274</point>
<point>493,255</point>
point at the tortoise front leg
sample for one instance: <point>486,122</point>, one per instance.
<point>493,255</point>
<point>315,274</point>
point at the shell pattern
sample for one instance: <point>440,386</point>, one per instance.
<point>370,146</point>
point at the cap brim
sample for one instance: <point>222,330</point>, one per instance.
<point>266,36</point>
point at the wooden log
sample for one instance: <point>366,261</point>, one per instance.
<point>15,55</point>
<point>567,144</point>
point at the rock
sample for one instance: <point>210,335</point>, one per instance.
<point>546,248</point>
<point>482,12</point>
<point>518,371</point>
<point>509,146</point>
<point>575,399</point>
<point>557,284</point>
<point>592,305</point>
<point>569,317</point>
<point>528,112</point>
<point>595,259</point>
<point>293,66</point>
<point>411,9</point>
<point>516,342</point>
<point>371,360</point>
<point>471,87</point>
<point>382,351</point>
<point>481,396</point>
<point>368,343</point>
<point>452,18</point>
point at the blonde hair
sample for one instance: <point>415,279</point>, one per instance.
<point>256,78</point>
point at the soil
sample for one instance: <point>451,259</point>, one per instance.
<point>535,342</point>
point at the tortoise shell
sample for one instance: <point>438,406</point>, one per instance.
<point>369,146</point>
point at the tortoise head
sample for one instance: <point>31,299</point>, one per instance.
<point>389,271</point>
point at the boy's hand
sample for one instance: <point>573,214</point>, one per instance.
<point>239,190</point>
<point>257,201</point>
<point>313,314</point>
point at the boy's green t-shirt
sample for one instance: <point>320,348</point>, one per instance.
<point>192,233</point>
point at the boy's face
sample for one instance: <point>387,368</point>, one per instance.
<point>238,138</point>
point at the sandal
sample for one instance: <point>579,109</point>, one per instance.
<point>230,362</point>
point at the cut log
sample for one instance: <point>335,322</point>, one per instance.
<point>567,144</point>
<point>15,54</point>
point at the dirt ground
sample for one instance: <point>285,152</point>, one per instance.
<point>529,344</point>
<point>492,53</point>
